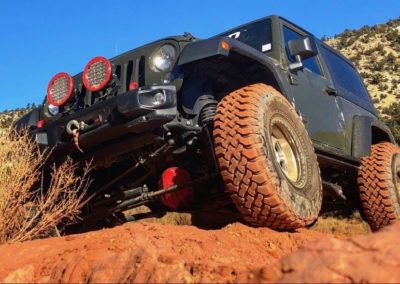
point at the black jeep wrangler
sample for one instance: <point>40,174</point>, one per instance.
<point>273,113</point>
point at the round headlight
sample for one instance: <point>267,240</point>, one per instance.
<point>164,57</point>
<point>59,89</point>
<point>53,110</point>
<point>97,73</point>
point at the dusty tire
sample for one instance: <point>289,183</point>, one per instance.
<point>263,189</point>
<point>379,185</point>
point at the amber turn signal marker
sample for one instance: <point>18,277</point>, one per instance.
<point>225,45</point>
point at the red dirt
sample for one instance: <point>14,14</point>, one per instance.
<point>364,259</point>
<point>154,252</point>
<point>148,252</point>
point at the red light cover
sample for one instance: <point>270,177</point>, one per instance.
<point>133,85</point>
<point>59,89</point>
<point>97,74</point>
<point>40,123</point>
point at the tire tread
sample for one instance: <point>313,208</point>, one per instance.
<point>253,188</point>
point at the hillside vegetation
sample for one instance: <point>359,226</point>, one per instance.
<point>8,117</point>
<point>36,197</point>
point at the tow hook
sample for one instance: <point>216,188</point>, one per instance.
<point>73,128</point>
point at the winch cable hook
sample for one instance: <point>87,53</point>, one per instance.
<point>73,128</point>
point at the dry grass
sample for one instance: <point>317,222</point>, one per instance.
<point>27,209</point>
<point>341,226</point>
<point>338,223</point>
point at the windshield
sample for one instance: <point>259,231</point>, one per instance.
<point>258,35</point>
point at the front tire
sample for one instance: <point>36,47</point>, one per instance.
<point>379,185</point>
<point>266,159</point>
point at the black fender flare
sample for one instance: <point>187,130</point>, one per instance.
<point>213,47</point>
<point>364,130</point>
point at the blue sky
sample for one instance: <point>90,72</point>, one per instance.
<point>39,38</point>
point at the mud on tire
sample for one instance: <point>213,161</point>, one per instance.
<point>379,185</point>
<point>266,159</point>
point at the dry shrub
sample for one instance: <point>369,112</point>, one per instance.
<point>349,226</point>
<point>27,209</point>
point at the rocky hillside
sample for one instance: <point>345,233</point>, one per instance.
<point>8,117</point>
<point>376,53</point>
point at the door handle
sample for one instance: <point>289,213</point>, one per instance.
<point>293,79</point>
<point>330,90</point>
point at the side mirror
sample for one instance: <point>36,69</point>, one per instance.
<point>301,49</point>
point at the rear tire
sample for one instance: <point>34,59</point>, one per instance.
<point>266,159</point>
<point>379,185</point>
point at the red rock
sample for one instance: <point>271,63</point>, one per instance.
<point>146,252</point>
<point>364,259</point>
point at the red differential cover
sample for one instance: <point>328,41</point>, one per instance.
<point>176,199</point>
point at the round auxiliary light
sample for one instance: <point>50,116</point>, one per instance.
<point>97,74</point>
<point>59,89</point>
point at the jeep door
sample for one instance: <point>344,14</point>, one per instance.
<point>352,94</point>
<point>313,95</point>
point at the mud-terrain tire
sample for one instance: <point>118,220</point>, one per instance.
<point>379,185</point>
<point>263,185</point>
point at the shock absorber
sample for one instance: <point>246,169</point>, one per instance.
<point>207,113</point>
<point>206,118</point>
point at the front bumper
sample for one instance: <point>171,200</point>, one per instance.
<point>132,112</point>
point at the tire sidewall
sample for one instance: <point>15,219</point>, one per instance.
<point>395,192</point>
<point>304,200</point>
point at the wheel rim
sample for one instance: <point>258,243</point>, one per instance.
<point>397,174</point>
<point>398,179</point>
<point>285,152</point>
